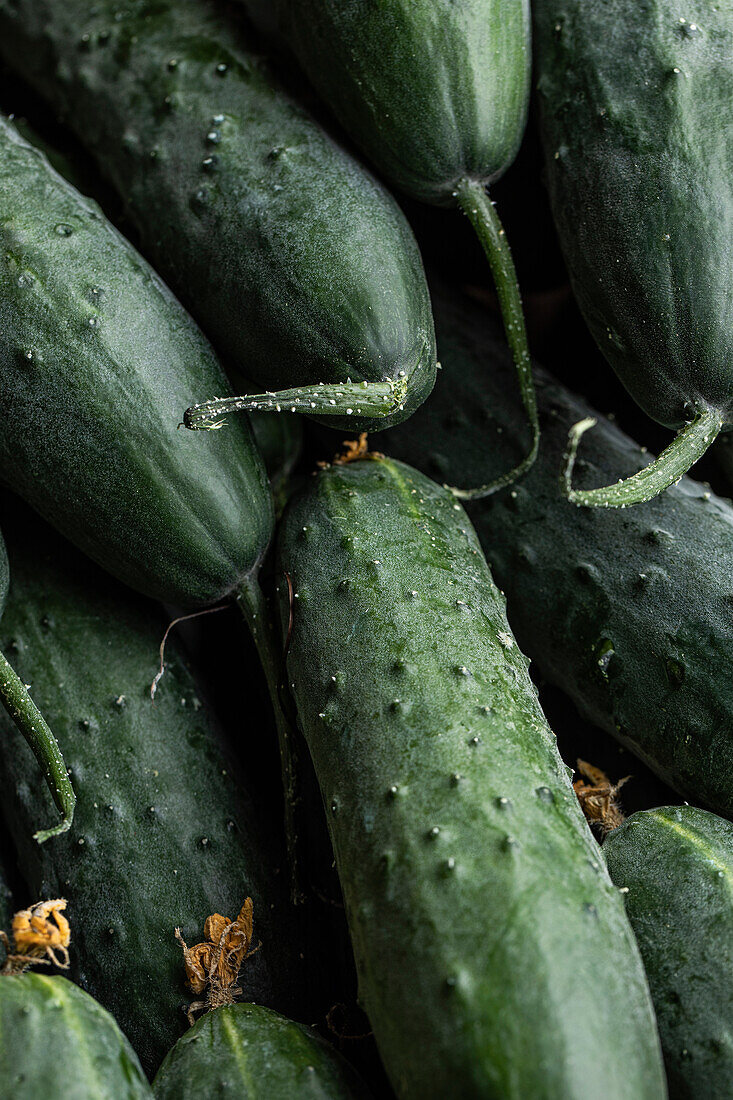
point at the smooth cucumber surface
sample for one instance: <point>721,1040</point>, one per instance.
<point>55,1040</point>
<point>676,863</point>
<point>97,362</point>
<point>630,612</point>
<point>433,92</point>
<point>298,264</point>
<point>166,829</point>
<point>636,103</point>
<point>470,878</point>
<point>247,1051</point>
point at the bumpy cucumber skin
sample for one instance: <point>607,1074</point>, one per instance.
<point>250,1052</point>
<point>637,117</point>
<point>628,611</point>
<point>474,891</point>
<point>55,1040</point>
<point>97,362</point>
<point>677,864</point>
<point>297,263</point>
<point>165,831</point>
<point>433,92</point>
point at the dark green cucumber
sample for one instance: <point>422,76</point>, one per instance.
<point>629,612</point>
<point>279,440</point>
<point>675,865</point>
<point>639,151</point>
<point>97,359</point>
<point>297,263</point>
<point>165,830</point>
<point>436,94</point>
<point>470,878</point>
<point>28,719</point>
<point>250,1052</point>
<point>55,1040</point>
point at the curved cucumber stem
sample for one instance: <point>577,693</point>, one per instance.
<point>251,602</point>
<point>686,448</point>
<point>334,399</point>
<point>481,212</point>
<point>31,723</point>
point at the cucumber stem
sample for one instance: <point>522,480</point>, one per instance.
<point>253,605</point>
<point>31,723</point>
<point>479,209</point>
<point>686,448</point>
<point>377,399</point>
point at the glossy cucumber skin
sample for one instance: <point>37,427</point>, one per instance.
<point>166,829</point>
<point>677,864</point>
<point>637,116</point>
<point>97,362</point>
<point>296,262</point>
<point>469,877</point>
<point>630,612</point>
<point>247,1051</point>
<point>432,91</point>
<point>55,1040</point>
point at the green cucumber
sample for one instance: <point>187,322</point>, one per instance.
<point>55,1040</point>
<point>639,152</point>
<point>628,612</point>
<point>247,1051</point>
<point>31,723</point>
<point>97,359</point>
<point>296,262</point>
<point>474,890</point>
<point>166,828</point>
<point>278,439</point>
<point>436,94</point>
<point>675,865</point>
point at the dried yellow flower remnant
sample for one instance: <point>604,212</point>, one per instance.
<point>213,966</point>
<point>41,935</point>
<point>598,797</point>
<point>354,449</point>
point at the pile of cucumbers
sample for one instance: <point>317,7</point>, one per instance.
<point>333,847</point>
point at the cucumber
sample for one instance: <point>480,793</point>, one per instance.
<point>639,151</point>
<point>278,439</point>
<point>469,876</point>
<point>628,612</point>
<point>296,262</point>
<point>55,1040</point>
<point>676,865</point>
<point>167,830</point>
<point>31,723</point>
<point>97,360</point>
<point>247,1051</point>
<point>436,94</point>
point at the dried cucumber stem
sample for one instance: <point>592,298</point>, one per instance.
<point>38,934</point>
<point>689,445</point>
<point>472,198</point>
<point>598,797</point>
<point>31,723</point>
<point>212,967</point>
